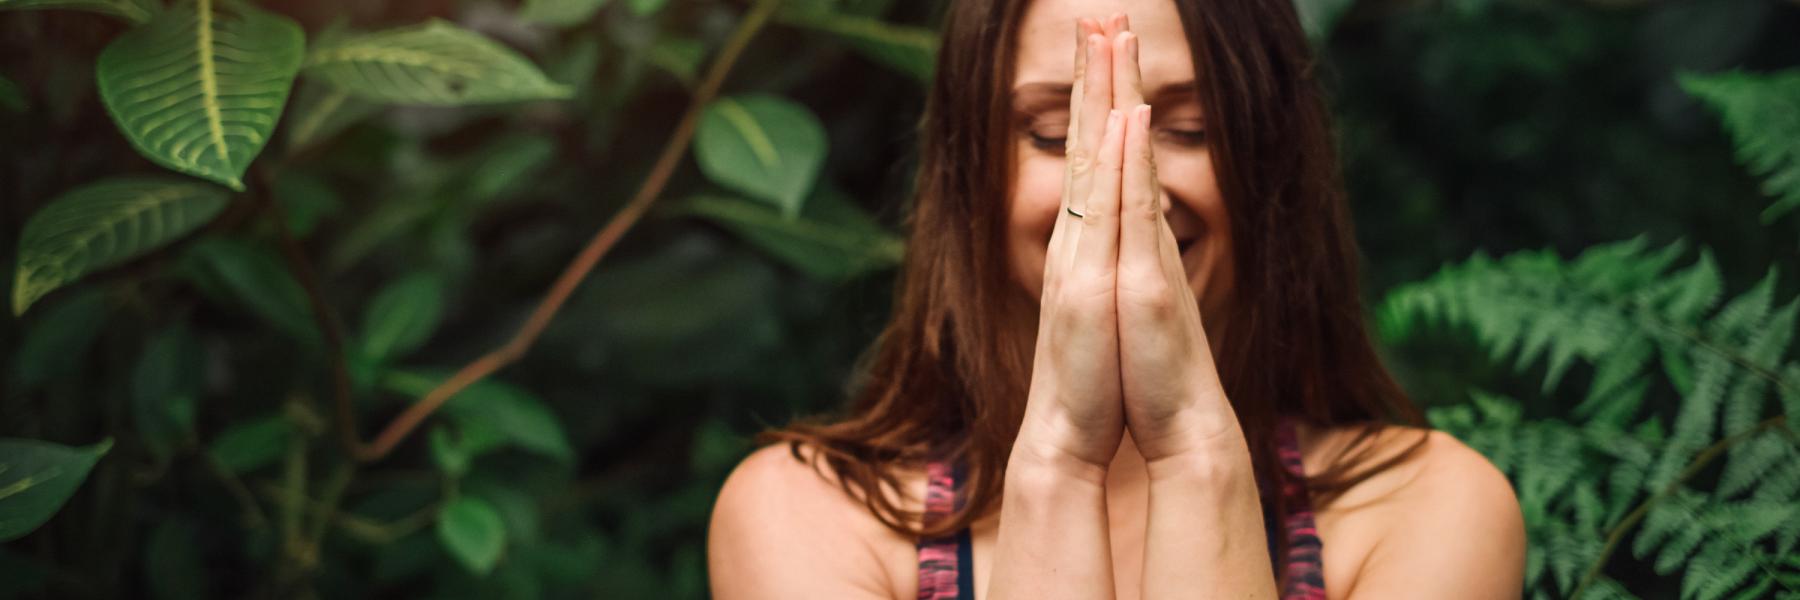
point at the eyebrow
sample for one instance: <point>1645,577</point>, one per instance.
<point>1042,91</point>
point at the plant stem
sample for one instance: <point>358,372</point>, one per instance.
<point>326,318</point>
<point>590,255</point>
<point>254,517</point>
<point>1643,509</point>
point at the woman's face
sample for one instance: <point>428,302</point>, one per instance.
<point>1045,72</point>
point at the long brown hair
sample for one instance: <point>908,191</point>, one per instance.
<point>946,379</point>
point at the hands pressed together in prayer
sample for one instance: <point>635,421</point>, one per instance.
<point>1120,339</point>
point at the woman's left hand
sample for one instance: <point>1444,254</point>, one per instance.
<point>1174,402</point>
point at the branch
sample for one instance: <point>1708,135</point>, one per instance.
<point>1637,514</point>
<point>590,255</point>
<point>323,315</point>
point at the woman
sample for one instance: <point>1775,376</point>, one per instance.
<point>1044,417</point>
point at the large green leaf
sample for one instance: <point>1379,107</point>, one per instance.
<point>36,478</point>
<point>832,238</point>
<point>472,532</point>
<point>402,316</point>
<point>768,147</point>
<point>136,11</point>
<point>199,88</point>
<point>103,224</point>
<point>435,62</point>
<point>1762,113</point>
<point>513,413</point>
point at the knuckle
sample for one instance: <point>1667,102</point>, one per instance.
<point>1080,161</point>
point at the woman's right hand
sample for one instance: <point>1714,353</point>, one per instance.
<point>1074,417</point>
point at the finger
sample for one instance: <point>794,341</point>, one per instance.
<point>1096,101</point>
<point>1115,24</point>
<point>1097,252</point>
<point>1140,219</point>
<point>1059,237</point>
<point>1128,81</point>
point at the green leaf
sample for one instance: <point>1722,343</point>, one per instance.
<point>910,50</point>
<point>173,567</point>
<point>506,164</point>
<point>164,386</point>
<point>515,414</point>
<point>447,452</point>
<point>252,444</point>
<point>238,273</point>
<point>1762,113</point>
<point>679,56</point>
<point>36,478</point>
<point>645,8</point>
<point>306,199</point>
<point>11,97</point>
<point>136,11</point>
<point>561,13</point>
<point>435,62</point>
<point>56,343</point>
<point>472,532</point>
<point>103,224</point>
<point>322,111</point>
<point>199,88</point>
<point>1319,17</point>
<point>403,316</point>
<point>765,146</point>
<point>832,239</point>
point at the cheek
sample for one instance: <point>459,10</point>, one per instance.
<point>1031,216</point>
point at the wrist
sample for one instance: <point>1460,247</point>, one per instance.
<point>1038,457</point>
<point>1197,447</point>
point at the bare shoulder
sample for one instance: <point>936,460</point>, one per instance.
<point>783,528</point>
<point>1442,521</point>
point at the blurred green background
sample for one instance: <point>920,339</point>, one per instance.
<point>195,286</point>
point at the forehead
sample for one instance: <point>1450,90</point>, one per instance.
<point>1047,39</point>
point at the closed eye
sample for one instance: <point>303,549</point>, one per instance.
<point>1048,144</point>
<point>1186,137</point>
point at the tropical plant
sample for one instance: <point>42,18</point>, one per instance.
<point>1711,492</point>
<point>229,243</point>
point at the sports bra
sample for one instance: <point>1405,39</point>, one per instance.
<point>945,564</point>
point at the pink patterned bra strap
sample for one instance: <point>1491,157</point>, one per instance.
<point>944,563</point>
<point>1303,564</point>
<point>942,560</point>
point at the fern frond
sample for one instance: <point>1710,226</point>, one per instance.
<point>1762,113</point>
<point>1751,460</point>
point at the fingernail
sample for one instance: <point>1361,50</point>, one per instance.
<point>1131,45</point>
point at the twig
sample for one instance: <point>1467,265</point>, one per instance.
<point>370,531</point>
<point>1643,509</point>
<point>583,263</point>
<point>253,513</point>
<point>323,315</point>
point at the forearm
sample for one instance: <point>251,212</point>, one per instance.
<point>1053,540</point>
<point>1205,535</point>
